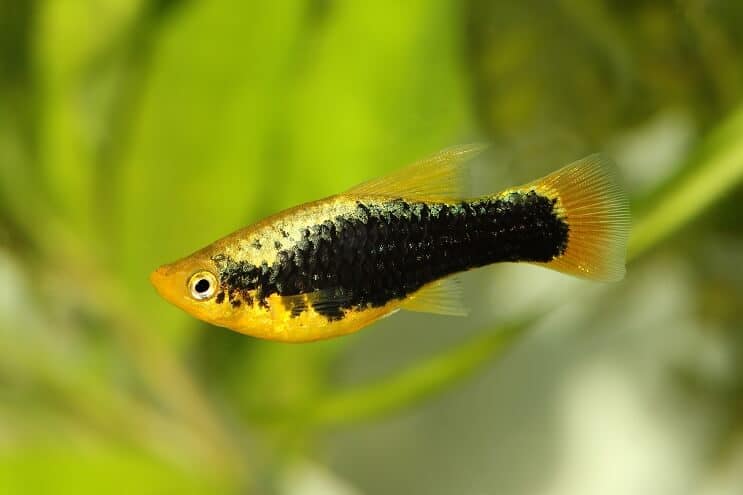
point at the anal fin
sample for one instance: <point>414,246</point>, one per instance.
<point>443,297</point>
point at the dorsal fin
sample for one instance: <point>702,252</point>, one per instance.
<point>443,297</point>
<point>436,178</point>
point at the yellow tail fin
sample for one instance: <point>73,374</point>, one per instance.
<point>597,212</point>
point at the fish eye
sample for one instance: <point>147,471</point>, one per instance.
<point>203,285</point>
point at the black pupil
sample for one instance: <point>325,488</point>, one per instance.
<point>202,286</point>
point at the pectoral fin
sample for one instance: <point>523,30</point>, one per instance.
<point>326,302</point>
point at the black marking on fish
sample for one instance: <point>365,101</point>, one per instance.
<point>333,312</point>
<point>220,298</point>
<point>257,244</point>
<point>295,305</point>
<point>277,245</point>
<point>386,251</point>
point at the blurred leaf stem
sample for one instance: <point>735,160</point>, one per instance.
<point>419,382</point>
<point>180,400</point>
<point>715,168</point>
<point>158,364</point>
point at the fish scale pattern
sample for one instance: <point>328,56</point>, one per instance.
<point>388,250</point>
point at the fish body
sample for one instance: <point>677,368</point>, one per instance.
<point>331,267</point>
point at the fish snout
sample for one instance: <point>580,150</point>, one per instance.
<point>165,281</point>
<point>158,277</point>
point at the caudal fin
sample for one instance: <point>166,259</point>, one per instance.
<point>598,217</point>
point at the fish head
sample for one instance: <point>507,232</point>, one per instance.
<point>193,285</point>
<point>199,284</point>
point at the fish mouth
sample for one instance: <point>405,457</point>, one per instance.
<point>165,284</point>
<point>157,277</point>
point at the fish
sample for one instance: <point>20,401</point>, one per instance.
<point>334,266</point>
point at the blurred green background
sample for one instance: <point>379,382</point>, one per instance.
<point>133,132</point>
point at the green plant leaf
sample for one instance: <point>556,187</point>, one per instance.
<point>74,101</point>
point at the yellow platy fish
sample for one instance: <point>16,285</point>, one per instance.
<point>333,266</point>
